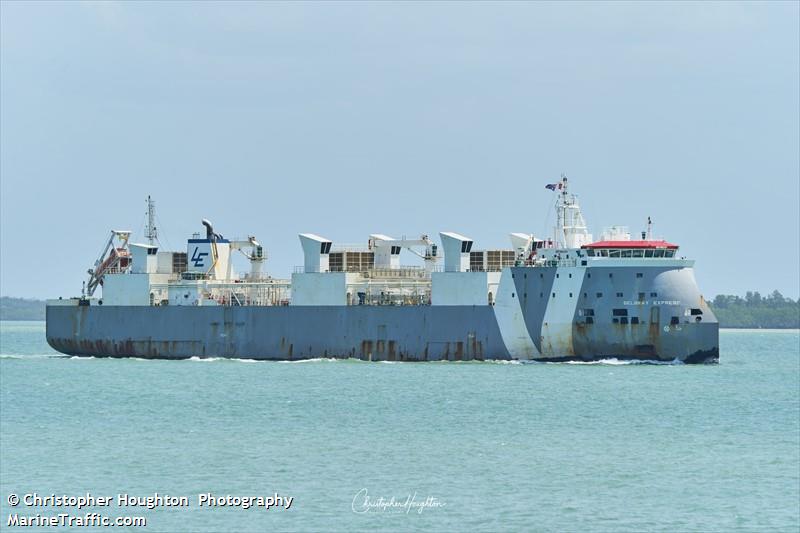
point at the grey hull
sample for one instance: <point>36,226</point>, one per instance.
<point>426,333</point>
<point>545,314</point>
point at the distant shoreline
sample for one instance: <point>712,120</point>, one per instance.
<point>751,312</point>
<point>721,327</point>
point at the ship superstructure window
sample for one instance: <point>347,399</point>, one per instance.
<point>638,253</point>
<point>588,312</point>
<point>615,320</point>
<point>178,262</point>
<point>641,296</point>
<point>658,253</point>
<point>696,312</point>
<point>619,295</point>
<point>669,253</point>
<point>653,295</point>
<point>610,275</point>
<point>620,312</point>
<point>336,262</point>
<point>570,295</point>
<point>639,275</point>
<point>623,320</point>
<point>466,247</point>
<point>599,294</point>
<point>613,253</point>
<point>476,261</point>
<point>675,320</point>
<point>625,253</point>
<point>648,253</point>
<point>634,320</point>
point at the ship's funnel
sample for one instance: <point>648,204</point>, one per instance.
<point>209,229</point>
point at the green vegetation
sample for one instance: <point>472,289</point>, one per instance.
<point>21,309</point>
<point>752,311</point>
<point>755,311</point>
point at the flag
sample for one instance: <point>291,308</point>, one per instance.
<point>553,186</point>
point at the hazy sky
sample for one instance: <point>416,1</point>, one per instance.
<point>349,119</point>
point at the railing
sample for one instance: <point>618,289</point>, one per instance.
<point>239,293</point>
<point>400,272</point>
<point>336,247</point>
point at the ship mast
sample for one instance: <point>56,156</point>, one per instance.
<point>151,232</point>
<point>570,230</point>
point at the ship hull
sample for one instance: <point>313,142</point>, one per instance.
<point>539,314</point>
<point>454,333</point>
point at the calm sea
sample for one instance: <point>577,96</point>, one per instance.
<point>409,446</point>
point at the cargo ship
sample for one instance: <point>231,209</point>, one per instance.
<point>565,297</point>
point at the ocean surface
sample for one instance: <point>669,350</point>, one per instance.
<point>608,446</point>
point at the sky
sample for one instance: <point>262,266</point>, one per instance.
<point>346,119</point>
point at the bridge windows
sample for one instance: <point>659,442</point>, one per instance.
<point>630,253</point>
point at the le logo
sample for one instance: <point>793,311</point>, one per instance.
<point>197,257</point>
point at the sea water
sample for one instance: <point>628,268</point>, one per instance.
<point>405,446</point>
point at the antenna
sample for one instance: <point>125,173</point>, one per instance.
<point>151,232</point>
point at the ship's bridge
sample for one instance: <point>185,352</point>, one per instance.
<point>626,249</point>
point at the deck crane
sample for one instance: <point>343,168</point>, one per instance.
<point>114,257</point>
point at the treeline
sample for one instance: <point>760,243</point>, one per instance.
<point>21,309</point>
<point>752,311</point>
<point>756,311</point>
